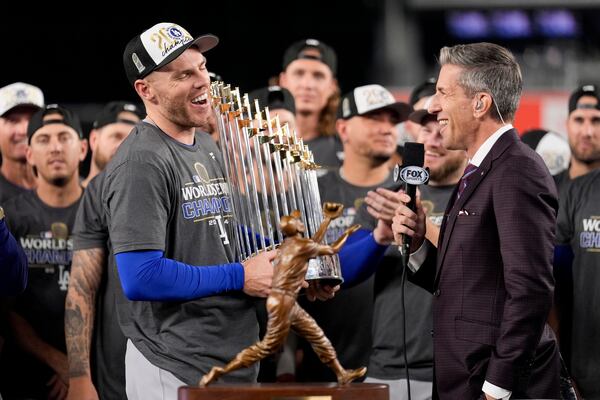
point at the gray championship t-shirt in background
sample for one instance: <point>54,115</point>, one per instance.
<point>562,180</point>
<point>161,194</point>
<point>328,152</point>
<point>387,359</point>
<point>9,190</point>
<point>108,343</point>
<point>345,319</point>
<point>45,233</point>
<point>578,225</point>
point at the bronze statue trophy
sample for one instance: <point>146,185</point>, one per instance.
<point>290,265</point>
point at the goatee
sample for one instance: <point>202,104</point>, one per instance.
<point>60,182</point>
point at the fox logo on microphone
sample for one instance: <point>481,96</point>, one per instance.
<point>413,175</point>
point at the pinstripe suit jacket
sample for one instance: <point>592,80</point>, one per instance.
<point>492,279</point>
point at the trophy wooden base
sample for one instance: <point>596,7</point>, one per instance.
<point>286,391</point>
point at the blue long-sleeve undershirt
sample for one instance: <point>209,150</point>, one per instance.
<point>13,264</point>
<point>359,257</point>
<point>149,276</point>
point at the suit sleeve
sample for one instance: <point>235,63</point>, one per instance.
<point>425,275</point>
<point>525,210</point>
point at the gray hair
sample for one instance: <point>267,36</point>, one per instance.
<point>488,68</point>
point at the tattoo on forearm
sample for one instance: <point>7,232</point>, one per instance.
<point>86,273</point>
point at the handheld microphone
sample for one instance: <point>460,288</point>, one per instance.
<point>412,174</point>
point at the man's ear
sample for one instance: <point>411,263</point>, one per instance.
<point>341,128</point>
<point>29,155</point>
<point>84,149</point>
<point>283,79</point>
<point>93,139</point>
<point>481,104</point>
<point>144,89</point>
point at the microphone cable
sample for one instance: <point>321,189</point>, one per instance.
<point>403,308</point>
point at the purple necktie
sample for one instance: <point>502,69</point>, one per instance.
<point>462,184</point>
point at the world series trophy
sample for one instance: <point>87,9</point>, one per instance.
<point>270,173</point>
<point>276,204</point>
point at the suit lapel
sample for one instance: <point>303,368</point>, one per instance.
<point>504,142</point>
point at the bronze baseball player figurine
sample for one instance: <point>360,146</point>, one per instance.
<point>290,265</point>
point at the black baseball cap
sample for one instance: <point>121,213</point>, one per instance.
<point>298,51</point>
<point>369,98</point>
<point>584,90</point>
<point>274,97</point>
<point>110,114</point>
<point>422,116</point>
<point>156,47</point>
<point>425,89</point>
<point>61,115</point>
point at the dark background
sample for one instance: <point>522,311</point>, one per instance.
<point>80,60</point>
<point>75,53</point>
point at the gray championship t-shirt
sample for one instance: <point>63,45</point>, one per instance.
<point>160,194</point>
<point>345,319</point>
<point>562,180</point>
<point>328,152</point>
<point>578,225</point>
<point>387,359</point>
<point>9,189</point>
<point>108,343</point>
<point>45,234</point>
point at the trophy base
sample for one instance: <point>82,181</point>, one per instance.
<point>333,281</point>
<point>326,269</point>
<point>286,391</point>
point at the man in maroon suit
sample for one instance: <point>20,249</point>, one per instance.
<point>491,275</point>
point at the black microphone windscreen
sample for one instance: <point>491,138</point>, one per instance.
<point>414,154</point>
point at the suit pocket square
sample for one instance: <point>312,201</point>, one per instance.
<point>468,219</point>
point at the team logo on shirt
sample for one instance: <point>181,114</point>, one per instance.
<point>207,199</point>
<point>59,230</point>
<point>50,250</point>
<point>589,238</point>
<point>340,224</point>
<point>201,174</point>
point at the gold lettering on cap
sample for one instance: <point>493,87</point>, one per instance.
<point>376,96</point>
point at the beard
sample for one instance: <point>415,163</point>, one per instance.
<point>101,160</point>
<point>177,112</point>
<point>381,158</point>
<point>590,159</point>
<point>57,180</point>
<point>209,126</point>
<point>379,155</point>
<point>451,166</point>
<point>60,181</point>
